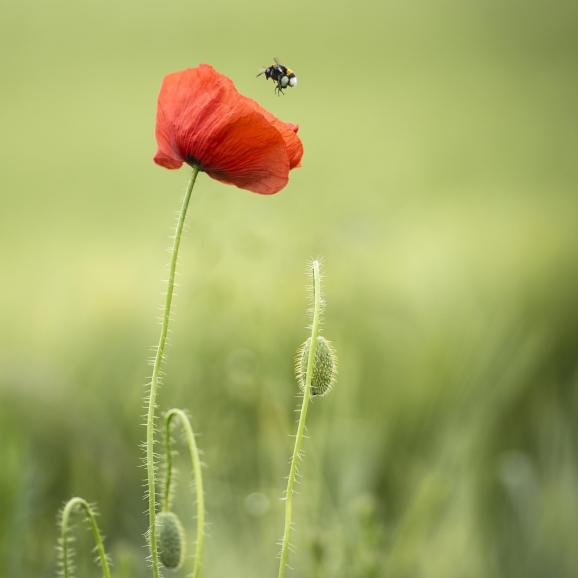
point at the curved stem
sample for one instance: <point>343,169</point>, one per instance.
<point>301,427</point>
<point>196,465</point>
<point>150,458</point>
<point>69,508</point>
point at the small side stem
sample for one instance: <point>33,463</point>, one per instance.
<point>69,508</point>
<point>197,472</point>
<point>301,426</point>
<point>150,458</point>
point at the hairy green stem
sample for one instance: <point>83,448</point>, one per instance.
<point>72,505</point>
<point>154,385</point>
<point>302,418</point>
<point>196,465</point>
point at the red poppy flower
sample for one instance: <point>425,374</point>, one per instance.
<point>203,120</point>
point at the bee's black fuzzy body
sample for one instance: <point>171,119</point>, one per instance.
<point>282,76</point>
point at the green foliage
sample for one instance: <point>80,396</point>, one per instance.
<point>439,183</point>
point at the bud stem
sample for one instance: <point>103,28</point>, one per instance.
<point>302,418</point>
<point>71,505</point>
<point>196,465</point>
<point>152,400</point>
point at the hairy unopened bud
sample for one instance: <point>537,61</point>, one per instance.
<point>324,366</point>
<point>171,540</point>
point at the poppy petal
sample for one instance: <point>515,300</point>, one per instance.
<point>289,133</point>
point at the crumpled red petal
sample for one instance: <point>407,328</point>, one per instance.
<point>202,119</point>
<point>289,133</point>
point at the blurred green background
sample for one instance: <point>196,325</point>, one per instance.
<point>439,186</point>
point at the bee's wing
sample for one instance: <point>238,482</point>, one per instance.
<point>280,67</point>
<point>262,71</point>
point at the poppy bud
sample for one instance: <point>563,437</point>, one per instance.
<point>171,540</point>
<point>324,366</point>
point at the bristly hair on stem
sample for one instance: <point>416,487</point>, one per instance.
<point>155,380</point>
<point>307,392</point>
<point>66,561</point>
<point>189,435</point>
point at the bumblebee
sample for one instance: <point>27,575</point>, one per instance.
<point>282,76</point>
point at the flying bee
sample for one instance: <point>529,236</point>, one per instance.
<point>282,76</point>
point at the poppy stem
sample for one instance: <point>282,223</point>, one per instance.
<point>296,457</point>
<point>155,378</point>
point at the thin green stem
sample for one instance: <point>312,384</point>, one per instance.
<point>197,472</point>
<point>69,508</point>
<point>167,493</point>
<point>154,385</point>
<point>301,426</point>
